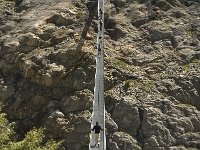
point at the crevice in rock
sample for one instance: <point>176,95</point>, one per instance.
<point>139,132</point>
<point>21,5</point>
<point>92,9</point>
<point>139,22</point>
<point>77,64</point>
<point>18,2</point>
<point>110,109</point>
<point>174,42</point>
<point>110,104</point>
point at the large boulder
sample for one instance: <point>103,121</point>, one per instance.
<point>126,115</point>
<point>70,127</point>
<point>155,131</point>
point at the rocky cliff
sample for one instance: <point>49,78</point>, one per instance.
<point>152,71</point>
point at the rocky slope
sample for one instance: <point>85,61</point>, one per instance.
<point>152,64</point>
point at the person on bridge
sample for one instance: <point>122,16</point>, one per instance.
<point>97,130</point>
<point>99,49</point>
<point>101,24</point>
<point>101,13</point>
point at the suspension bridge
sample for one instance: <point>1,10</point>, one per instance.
<point>98,114</point>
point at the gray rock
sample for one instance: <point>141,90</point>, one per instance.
<point>188,54</point>
<point>114,146</point>
<point>157,35</point>
<point>60,20</point>
<point>81,100</point>
<point>164,5</point>
<point>125,141</point>
<point>28,42</point>
<point>111,126</point>
<point>126,115</point>
<point>57,114</point>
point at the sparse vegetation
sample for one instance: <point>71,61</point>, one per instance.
<point>118,63</point>
<point>144,86</point>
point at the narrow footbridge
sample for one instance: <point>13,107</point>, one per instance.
<point>98,114</point>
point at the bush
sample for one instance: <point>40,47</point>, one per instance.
<point>32,141</point>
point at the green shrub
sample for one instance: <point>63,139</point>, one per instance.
<point>32,141</point>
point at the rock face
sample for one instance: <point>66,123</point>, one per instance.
<point>152,71</point>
